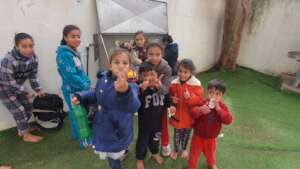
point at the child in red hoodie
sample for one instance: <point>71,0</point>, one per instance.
<point>208,123</point>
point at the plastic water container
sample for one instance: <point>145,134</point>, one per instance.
<point>82,122</point>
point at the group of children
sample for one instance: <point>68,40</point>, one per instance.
<point>154,96</point>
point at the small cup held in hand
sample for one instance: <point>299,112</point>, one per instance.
<point>211,104</point>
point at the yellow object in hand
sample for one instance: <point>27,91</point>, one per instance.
<point>131,74</point>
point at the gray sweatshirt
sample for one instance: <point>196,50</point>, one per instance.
<point>163,69</point>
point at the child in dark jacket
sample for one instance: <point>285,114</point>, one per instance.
<point>153,105</point>
<point>208,123</point>
<point>171,53</point>
<point>154,53</point>
<point>118,101</point>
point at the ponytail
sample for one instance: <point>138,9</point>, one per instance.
<point>63,42</point>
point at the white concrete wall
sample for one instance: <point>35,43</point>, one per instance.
<point>279,32</point>
<point>44,20</point>
<point>196,25</point>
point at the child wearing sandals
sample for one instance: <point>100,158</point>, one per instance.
<point>186,91</point>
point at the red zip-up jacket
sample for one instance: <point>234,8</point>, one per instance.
<point>182,115</point>
<point>209,125</point>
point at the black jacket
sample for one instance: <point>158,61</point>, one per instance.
<point>153,105</point>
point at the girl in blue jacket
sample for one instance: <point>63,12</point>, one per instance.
<point>74,78</point>
<point>117,100</point>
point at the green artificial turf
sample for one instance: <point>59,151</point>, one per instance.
<point>265,133</point>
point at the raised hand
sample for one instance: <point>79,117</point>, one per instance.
<point>121,84</point>
<point>205,109</point>
<point>157,81</point>
<point>144,85</point>
<point>186,94</point>
<point>218,107</point>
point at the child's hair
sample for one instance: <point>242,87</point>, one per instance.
<point>167,39</point>
<point>187,64</point>
<point>67,29</point>
<point>117,52</point>
<point>217,85</point>
<point>146,68</point>
<point>154,45</point>
<point>21,36</point>
<point>140,33</point>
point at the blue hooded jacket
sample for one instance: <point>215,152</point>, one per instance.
<point>171,53</point>
<point>171,56</point>
<point>113,123</point>
<point>70,68</point>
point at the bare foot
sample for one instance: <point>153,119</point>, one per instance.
<point>28,137</point>
<point>166,151</point>
<point>31,129</point>
<point>214,167</point>
<point>184,154</point>
<point>173,155</point>
<point>5,167</point>
<point>157,158</point>
<point>140,164</point>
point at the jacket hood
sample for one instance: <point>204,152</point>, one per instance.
<point>193,81</point>
<point>64,48</point>
<point>173,45</point>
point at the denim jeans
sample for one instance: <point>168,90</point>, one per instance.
<point>114,164</point>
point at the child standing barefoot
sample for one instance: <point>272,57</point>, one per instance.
<point>17,66</point>
<point>154,58</point>
<point>117,100</point>
<point>153,105</point>
<point>186,91</point>
<point>208,123</point>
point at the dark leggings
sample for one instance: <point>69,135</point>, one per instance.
<point>181,138</point>
<point>147,140</point>
<point>114,164</point>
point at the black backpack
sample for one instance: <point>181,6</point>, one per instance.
<point>48,112</point>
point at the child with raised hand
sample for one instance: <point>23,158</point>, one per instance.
<point>154,52</point>
<point>208,116</point>
<point>71,71</point>
<point>18,65</point>
<point>117,100</point>
<point>186,91</point>
<point>153,105</point>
